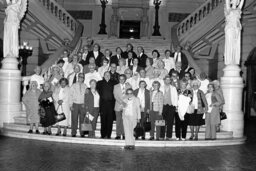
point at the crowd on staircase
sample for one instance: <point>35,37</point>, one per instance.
<point>142,93</point>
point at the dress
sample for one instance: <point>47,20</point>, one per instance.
<point>233,29</point>
<point>63,94</point>
<point>47,105</point>
<point>131,113</point>
<point>30,99</point>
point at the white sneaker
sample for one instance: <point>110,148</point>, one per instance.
<point>183,139</point>
<point>177,139</point>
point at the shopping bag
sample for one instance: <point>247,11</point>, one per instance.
<point>147,124</point>
<point>86,126</point>
<point>61,116</point>
<point>138,131</point>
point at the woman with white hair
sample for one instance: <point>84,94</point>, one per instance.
<point>30,100</point>
<point>121,66</point>
<point>37,77</point>
<point>196,110</point>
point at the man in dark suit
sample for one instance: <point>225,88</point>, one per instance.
<point>115,58</point>
<point>142,57</point>
<point>180,72</point>
<point>97,54</point>
<point>83,60</point>
<point>129,48</point>
<point>180,57</point>
<point>135,67</point>
<point>114,76</point>
<point>105,89</point>
<point>144,95</point>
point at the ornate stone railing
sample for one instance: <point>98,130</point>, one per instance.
<point>198,15</point>
<point>60,13</point>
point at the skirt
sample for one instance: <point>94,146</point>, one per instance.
<point>194,119</point>
<point>49,118</point>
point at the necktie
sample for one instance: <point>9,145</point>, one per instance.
<point>74,80</point>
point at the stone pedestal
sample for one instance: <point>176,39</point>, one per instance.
<point>232,86</point>
<point>10,84</point>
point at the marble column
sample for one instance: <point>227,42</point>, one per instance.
<point>144,23</point>
<point>114,23</point>
<point>232,86</point>
<point>10,84</point>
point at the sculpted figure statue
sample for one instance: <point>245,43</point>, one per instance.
<point>14,13</point>
<point>233,29</point>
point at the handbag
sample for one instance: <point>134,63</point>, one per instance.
<point>138,131</point>
<point>60,117</point>
<point>86,126</point>
<point>160,122</point>
<point>223,115</point>
<point>147,124</point>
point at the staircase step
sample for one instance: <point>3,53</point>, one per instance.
<point>25,128</point>
<point>22,120</point>
<point>112,142</point>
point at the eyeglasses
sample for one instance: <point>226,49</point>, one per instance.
<point>129,93</point>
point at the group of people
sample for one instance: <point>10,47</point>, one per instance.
<point>131,88</point>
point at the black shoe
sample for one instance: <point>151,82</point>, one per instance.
<point>143,138</point>
<point>58,133</point>
<point>72,135</point>
<point>49,133</point>
<point>131,147</point>
<point>30,131</point>
<point>37,132</point>
<point>191,138</point>
<point>123,137</point>
<point>45,133</point>
<point>136,138</point>
<point>81,136</point>
<point>151,138</point>
<point>118,138</point>
<point>196,138</point>
<point>64,134</point>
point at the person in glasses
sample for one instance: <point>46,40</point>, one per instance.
<point>77,100</point>
<point>131,116</point>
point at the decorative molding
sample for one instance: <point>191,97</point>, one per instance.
<point>177,17</point>
<point>84,15</point>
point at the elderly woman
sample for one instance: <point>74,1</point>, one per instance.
<point>161,69</point>
<point>155,56</point>
<point>212,118</point>
<point>47,105</point>
<point>91,60</point>
<point>70,66</point>
<point>197,108</point>
<point>55,76</point>
<point>129,60</point>
<point>135,67</point>
<point>37,77</point>
<point>104,67</point>
<point>149,68</point>
<point>156,102</point>
<point>30,100</point>
<point>131,116</point>
<point>168,60</point>
<point>91,104</point>
<point>61,97</point>
<point>204,82</point>
<point>97,54</point>
<point>121,66</point>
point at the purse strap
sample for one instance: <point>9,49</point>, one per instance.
<point>61,107</point>
<point>87,113</point>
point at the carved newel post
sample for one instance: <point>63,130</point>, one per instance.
<point>232,82</point>
<point>103,25</point>
<point>10,76</point>
<point>156,26</point>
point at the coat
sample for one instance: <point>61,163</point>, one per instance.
<point>202,102</point>
<point>142,60</point>
<point>119,96</point>
<point>89,102</point>
<point>30,100</point>
<point>215,102</point>
<point>98,59</point>
<point>158,102</point>
<point>66,105</point>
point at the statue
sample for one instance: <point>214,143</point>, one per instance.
<point>233,29</point>
<point>14,13</point>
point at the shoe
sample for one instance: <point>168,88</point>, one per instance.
<point>143,138</point>
<point>131,147</point>
<point>196,138</point>
<point>72,135</point>
<point>37,131</point>
<point>213,139</point>
<point>64,134</point>
<point>183,139</point>
<point>45,133</point>
<point>207,139</point>
<point>157,139</point>
<point>30,131</point>
<point>49,133</point>
<point>123,137</point>
<point>161,139</point>
<point>191,138</point>
<point>117,138</point>
<point>82,136</point>
<point>58,134</point>
<point>177,139</point>
<point>136,138</point>
<point>151,138</point>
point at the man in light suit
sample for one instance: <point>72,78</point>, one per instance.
<point>169,107</point>
<point>73,77</point>
<point>119,94</point>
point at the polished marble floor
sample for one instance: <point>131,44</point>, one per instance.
<point>32,155</point>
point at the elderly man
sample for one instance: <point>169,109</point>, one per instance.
<point>113,74</point>
<point>105,89</point>
<point>70,66</point>
<point>119,94</point>
<point>77,100</point>
<point>142,57</point>
<point>73,77</point>
<point>92,74</point>
<point>180,58</point>
<point>169,108</point>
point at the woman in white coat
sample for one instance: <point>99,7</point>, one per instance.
<point>61,96</point>
<point>131,116</point>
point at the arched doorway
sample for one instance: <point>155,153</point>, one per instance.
<point>251,84</point>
